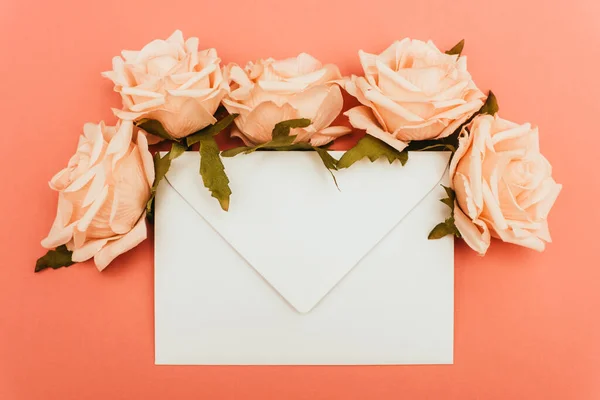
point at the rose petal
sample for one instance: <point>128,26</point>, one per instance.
<point>259,124</point>
<point>88,250</point>
<point>361,117</point>
<point>474,233</point>
<point>123,244</point>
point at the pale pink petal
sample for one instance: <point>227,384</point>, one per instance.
<point>120,143</point>
<point>361,117</point>
<point>260,122</point>
<point>88,250</point>
<point>421,131</point>
<point>464,145</point>
<point>454,125</point>
<point>460,111</point>
<point>476,235</point>
<point>96,187</point>
<point>125,243</point>
<point>205,72</point>
<point>148,105</point>
<point>61,231</point>
<point>91,212</point>
<point>464,195</point>
<point>301,65</point>
<point>127,115</point>
<point>394,114</point>
<point>326,135</point>
<point>492,208</point>
<point>147,160</point>
<point>235,132</point>
<point>185,119</point>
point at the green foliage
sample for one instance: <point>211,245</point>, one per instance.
<point>212,171</point>
<point>373,149</point>
<point>155,128</point>
<point>457,49</point>
<point>57,258</point>
<point>447,227</point>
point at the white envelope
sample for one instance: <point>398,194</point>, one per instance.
<point>299,272</point>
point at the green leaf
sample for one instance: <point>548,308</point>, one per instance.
<point>177,149</point>
<point>439,231</point>
<point>59,257</point>
<point>448,202</point>
<point>441,146</point>
<point>443,229</point>
<point>281,139</point>
<point>283,128</point>
<point>161,167</point>
<point>155,128</point>
<point>329,162</point>
<point>450,192</point>
<point>372,148</point>
<point>211,130</point>
<point>291,147</point>
<point>212,171</point>
<point>235,151</point>
<point>490,106</point>
<point>457,49</point>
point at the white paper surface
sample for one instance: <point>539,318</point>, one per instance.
<point>298,272</point>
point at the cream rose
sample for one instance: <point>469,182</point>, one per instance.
<point>102,194</point>
<point>269,91</point>
<point>412,91</point>
<point>170,81</point>
<point>504,186</point>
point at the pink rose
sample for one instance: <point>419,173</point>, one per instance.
<point>269,91</point>
<point>412,91</point>
<point>102,194</point>
<point>170,81</point>
<point>504,186</point>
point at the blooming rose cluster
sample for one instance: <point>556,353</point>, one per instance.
<point>411,91</point>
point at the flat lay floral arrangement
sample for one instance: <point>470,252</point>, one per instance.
<point>413,96</point>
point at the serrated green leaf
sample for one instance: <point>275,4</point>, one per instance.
<point>212,171</point>
<point>373,149</point>
<point>155,128</point>
<point>283,128</point>
<point>457,49</point>
<point>211,130</point>
<point>490,106</point>
<point>57,258</point>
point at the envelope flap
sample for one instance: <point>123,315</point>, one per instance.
<point>290,223</point>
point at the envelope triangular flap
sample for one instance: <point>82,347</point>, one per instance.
<point>288,220</point>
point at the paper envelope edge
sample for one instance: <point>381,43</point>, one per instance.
<point>304,308</point>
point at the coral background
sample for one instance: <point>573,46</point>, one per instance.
<point>527,324</point>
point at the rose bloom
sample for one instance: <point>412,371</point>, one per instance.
<point>170,81</point>
<point>102,194</point>
<point>412,91</point>
<point>504,186</point>
<point>269,91</point>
